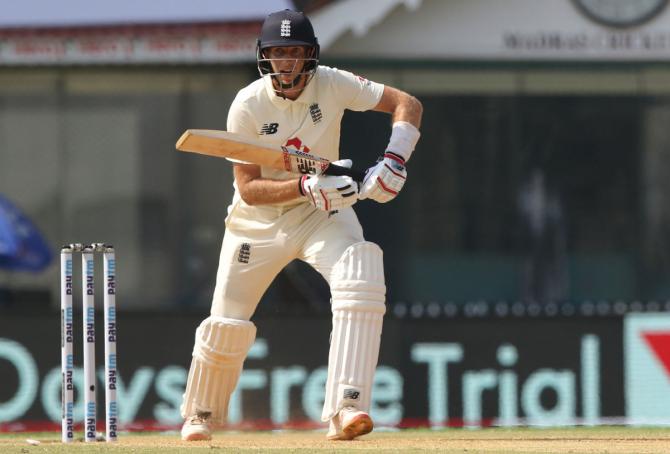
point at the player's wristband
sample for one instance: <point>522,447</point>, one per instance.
<point>404,137</point>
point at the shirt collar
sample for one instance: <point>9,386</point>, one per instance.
<point>307,96</point>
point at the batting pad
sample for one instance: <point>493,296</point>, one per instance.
<point>358,294</point>
<point>221,345</point>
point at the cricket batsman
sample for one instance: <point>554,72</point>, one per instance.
<point>276,217</point>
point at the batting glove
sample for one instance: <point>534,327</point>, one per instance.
<point>330,193</point>
<point>384,181</point>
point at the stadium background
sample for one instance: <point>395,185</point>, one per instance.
<point>527,259</point>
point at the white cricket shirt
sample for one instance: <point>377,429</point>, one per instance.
<point>311,123</point>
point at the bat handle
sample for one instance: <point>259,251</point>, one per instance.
<point>335,170</point>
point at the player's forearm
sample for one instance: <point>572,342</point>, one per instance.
<point>402,106</point>
<point>408,109</point>
<point>265,191</point>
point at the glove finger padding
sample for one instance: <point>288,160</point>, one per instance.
<point>384,181</point>
<point>328,192</point>
<point>344,163</point>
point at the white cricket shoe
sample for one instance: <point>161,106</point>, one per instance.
<point>348,424</point>
<point>196,428</point>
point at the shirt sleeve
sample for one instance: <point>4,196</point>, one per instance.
<point>240,122</point>
<point>356,92</point>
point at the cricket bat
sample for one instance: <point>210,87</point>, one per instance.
<point>224,144</point>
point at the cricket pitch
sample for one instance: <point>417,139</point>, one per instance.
<point>518,440</point>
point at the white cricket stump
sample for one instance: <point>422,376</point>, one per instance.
<point>67,346</point>
<point>88,327</point>
<point>88,253</point>
<point>111,373</point>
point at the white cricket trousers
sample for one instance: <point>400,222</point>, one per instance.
<point>260,241</point>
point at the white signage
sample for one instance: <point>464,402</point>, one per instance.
<point>647,368</point>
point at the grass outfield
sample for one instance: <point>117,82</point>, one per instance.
<point>568,440</point>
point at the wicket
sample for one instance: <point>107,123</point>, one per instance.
<point>67,340</point>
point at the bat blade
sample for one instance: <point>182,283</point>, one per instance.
<point>224,144</point>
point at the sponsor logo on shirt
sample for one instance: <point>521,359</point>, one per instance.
<point>245,253</point>
<point>269,128</point>
<point>315,112</point>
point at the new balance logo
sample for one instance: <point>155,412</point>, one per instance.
<point>285,29</point>
<point>269,128</point>
<point>315,112</point>
<point>245,253</point>
<point>351,394</point>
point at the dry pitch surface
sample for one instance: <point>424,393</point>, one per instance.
<point>571,440</point>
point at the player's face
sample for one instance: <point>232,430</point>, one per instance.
<point>289,62</point>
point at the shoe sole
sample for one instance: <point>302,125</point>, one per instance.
<point>197,437</point>
<point>358,426</point>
